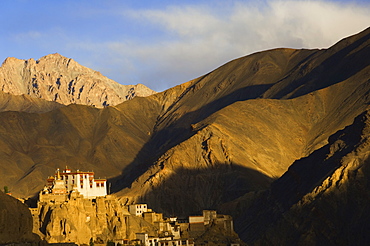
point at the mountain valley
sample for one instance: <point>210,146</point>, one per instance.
<point>278,139</point>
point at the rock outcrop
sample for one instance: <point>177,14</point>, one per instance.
<point>15,222</point>
<point>75,219</point>
<point>81,220</point>
<point>56,78</point>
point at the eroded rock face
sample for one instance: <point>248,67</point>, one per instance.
<point>59,79</point>
<point>15,221</point>
<point>79,220</point>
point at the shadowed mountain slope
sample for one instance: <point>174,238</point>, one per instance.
<point>322,199</point>
<point>243,124</point>
<point>262,135</point>
<point>15,222</point>
<point>26,103</point>
<point>226,117</point>
<point>82,137</point>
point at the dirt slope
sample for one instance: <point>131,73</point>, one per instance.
<point>238,127</point>
<point>321,200</point>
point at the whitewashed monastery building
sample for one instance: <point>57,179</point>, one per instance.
<point>67,181</point>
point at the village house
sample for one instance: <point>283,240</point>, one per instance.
<point>137,209</point>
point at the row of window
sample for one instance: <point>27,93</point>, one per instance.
<point>97,185</point>
<point>81,176</point>
<point>83,186</point>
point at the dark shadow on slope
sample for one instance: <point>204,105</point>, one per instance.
<point>177,132</point>
<point>189,191</point>
<point>306,173</point>
<point>324,75</point>
<point>338,66</point>
<point>300,179</point>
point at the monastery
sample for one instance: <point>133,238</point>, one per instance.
<point>67,182</point>
<point>75,207</point>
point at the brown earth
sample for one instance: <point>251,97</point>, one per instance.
<point>229,133</point>
<point>25,103</point>
<point>322,199</point>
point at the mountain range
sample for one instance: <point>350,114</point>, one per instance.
<point>278,139</point>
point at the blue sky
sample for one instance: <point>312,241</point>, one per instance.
<point>165,43</point>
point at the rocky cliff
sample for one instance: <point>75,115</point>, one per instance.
<point>56,78</point>
<point>81,220</point>
<point>15,222</point>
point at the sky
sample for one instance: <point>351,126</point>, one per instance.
<point>165,43</point>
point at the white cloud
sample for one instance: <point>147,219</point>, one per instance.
<point>196,39</point>
<point>26,36</point>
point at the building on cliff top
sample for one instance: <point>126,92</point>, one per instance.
<point>66,182</point>
<point>137,209</point>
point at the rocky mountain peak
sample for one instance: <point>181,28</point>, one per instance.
<point>60,79</point>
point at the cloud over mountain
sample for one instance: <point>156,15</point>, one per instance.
<point>152,43</point>
<point>200,38</point>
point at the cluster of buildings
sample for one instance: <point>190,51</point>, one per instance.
<point>66,185</point>
<point>174,232</point>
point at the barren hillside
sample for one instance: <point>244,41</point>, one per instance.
<point>321,200</point>
<point>200,144</point>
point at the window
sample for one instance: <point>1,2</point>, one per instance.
<point>90,185</point>
<point>82,186</point>
<point>102,184</point>
<point>97,185</point>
